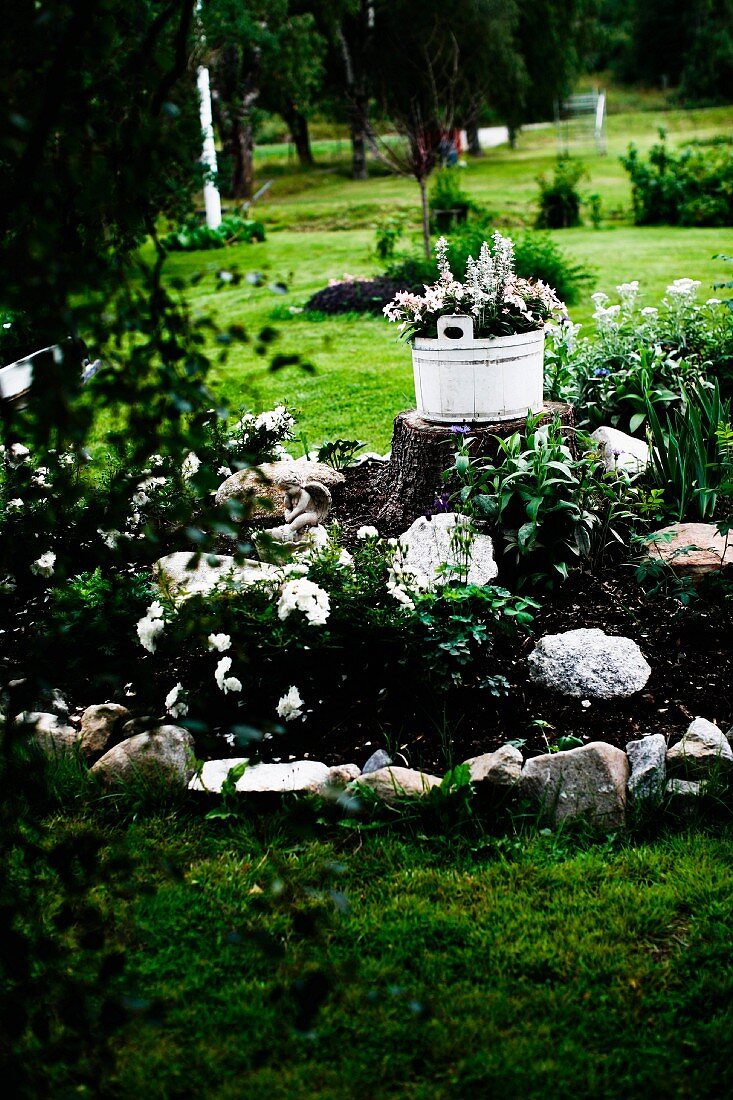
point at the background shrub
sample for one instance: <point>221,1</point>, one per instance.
<point>693,186</point>
<point>560,199</point>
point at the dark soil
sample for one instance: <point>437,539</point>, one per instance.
<point>689,647</point>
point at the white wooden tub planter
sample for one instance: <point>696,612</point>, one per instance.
<point>462,380</point>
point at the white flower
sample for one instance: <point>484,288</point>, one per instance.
<point>15,504</point>
<point>713,302</point>
<point>278,421</point>
<point>223,471</point>
<point>109,538</point>
<point>191,464</point>
<point>367,533</point>
<point>67,459</point>
<point>43,566</point>
<point>649,311</point>
<point>39,477</point>
<point>142,495</point>
<point>304,595</point>
<point>226,683</point>
<point>175,702</point>
<point>219,642</point>
<point>151,626</point>
<point>345,559</point>
<point>17,454</point>
<point>290,705</point>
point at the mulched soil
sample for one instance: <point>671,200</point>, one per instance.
<point>690,650</point>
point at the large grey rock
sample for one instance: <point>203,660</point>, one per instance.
<point>394,784</point>
<point>703,750</point>
<point>427,546</point>
<point>301,775</point>
<point>647,758</point>
<point>177,580</point>
<point>684,794</point>
<point>258,488</point>
<point>49,732</point>
<point>620,451</point>
<point>378,759</point>
<point>163,756</point>
<point>589,664</point>
<point>588,782</point>
<point>502,767</point>
<point>101,725</point>
<point>691,549</point>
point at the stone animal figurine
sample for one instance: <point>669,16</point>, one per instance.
<point>307,504</point>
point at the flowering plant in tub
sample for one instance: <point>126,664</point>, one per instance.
<point>477,345</point>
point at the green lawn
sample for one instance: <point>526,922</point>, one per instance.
<point>321,226</point>
<point>266,961</point>
<point>364,375</point>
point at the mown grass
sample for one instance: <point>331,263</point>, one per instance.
<point>277,961</point>
<point>321,226</point>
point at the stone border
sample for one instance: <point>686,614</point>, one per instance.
<point>596,783</point>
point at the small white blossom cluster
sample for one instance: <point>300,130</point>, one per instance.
<point>277,422</point>
<point>149,627</point>
<point>367,533</point>
<point>44,566</point>
<point>305,596</point>
<point>403,583</point>
<point>219,642</point>
<point>191,466</point>
<point>497,299</point>
<point>16,455</point>
<point>141,496</point>
<point>290,705</point>
<point>175,702</point>
<point>224,682</point>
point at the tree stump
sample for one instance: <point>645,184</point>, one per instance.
<point>421,451</point>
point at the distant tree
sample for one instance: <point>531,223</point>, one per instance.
<point>292,68</point>
<point>348,27</point>
<point>431,74</point>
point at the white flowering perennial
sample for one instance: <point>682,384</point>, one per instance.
<point>175,702</point>
<point>224,682</point>
<point>290,705</point>
<point>498,300</point>
<point>151,626</point>
<point>277,421</point>
<point>191,465</point>
<point>367,533</point>
<point>305,596</point>
<point>44,566</point>
<point>219,642</point>
<point>17,454</point>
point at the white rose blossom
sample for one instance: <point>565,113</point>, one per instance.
<point>44,566</point>
<point>306,596</point>
<point>191,465</point>
<point>15,504</point>
<point>219,642</point>
<point>175,702</point>
<point>290,705</point>
<point>367,533</point>
<point>224,682</point>
<point>152,625</point>
<point>17,454</point>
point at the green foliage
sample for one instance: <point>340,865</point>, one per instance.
<point>388,233</point>
<point>654,352</point>
<point>691,458</point>
<point>692,186</point>
<point>560,199</point>
<point>446,190</point>
<point>339,453</point>
<point>538,497</point>
<point>194,236</point>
